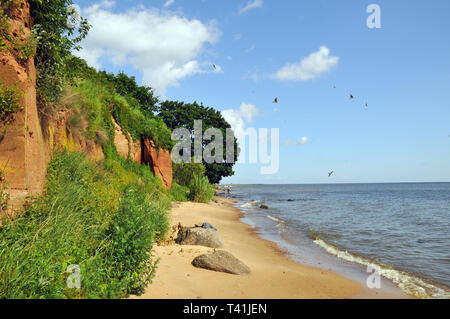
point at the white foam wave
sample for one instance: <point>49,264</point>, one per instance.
<point>407,282</point>
<point>253,203</point>
<point>275,219</point>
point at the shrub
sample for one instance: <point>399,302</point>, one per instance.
<point>127,87</point>
<point>200,190</point>
<point>179,193</point>
<point>128,115</point>
<point>183,173</point>
<point>133,230</point>
<point>105,221</point>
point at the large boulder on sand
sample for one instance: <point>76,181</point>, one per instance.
<point>221,261</point>
<point>199,236</point>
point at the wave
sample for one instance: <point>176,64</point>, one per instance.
<point>279,221</point>
<point>409,283</point>
<point>253,203</point>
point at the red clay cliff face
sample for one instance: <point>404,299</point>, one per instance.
<point>159,160</point>
<point>22,151</point>
<point>144,152</point>
<point>26,147</point>
<point>60,135</point>
<point>125,145</point>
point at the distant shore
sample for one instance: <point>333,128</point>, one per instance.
<point>273,274</point>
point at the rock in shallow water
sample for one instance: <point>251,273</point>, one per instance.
<point>199,236</point>
<point>221,261</point>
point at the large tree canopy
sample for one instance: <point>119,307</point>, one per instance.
<point>182,115</point>
<point>59,29</point>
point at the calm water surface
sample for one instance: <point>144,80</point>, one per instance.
<point>403,230</point>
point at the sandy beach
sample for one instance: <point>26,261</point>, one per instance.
<point>273,275</point>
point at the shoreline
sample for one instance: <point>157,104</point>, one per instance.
<point>273,274</point>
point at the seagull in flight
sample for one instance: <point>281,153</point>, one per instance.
<point>275,101</point>
<point>330,173</point>
<point>351,97</point>
<point>214,66</point>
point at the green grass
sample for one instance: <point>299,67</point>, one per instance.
<point>96,102</point>
<point>179,193</point>
<point>104,218</point>
<point>200,190</point>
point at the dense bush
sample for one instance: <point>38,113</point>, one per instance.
<point>136,225</point>
<point>104,220</point>
<point>179,193</point>
<point>133,121</point>
<point>200,190</point>
<point>183,173</point>
<point>126,86</point>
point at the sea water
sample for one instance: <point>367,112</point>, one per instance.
<point>402,230</point>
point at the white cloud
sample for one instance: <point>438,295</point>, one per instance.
<point>238,119</point>
<point>310,67</point>
<point>251,5</point>
<point>166,47</point>
<point>302,141</point>
<point>168,3</point>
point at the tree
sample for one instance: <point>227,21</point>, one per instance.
<point>59,29</point>
<point>182,115</point>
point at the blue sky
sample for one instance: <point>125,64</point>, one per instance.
<point>402,70</point>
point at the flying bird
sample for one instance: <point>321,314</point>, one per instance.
<point>367,105</point>
<point>214,66</point>
<point>351,97</point>
<point>275,101</point>
<point>334,86</point>
<point>330,173</point>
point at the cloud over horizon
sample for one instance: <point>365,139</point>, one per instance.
<point>310,67</point>
<point>166,55</point>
